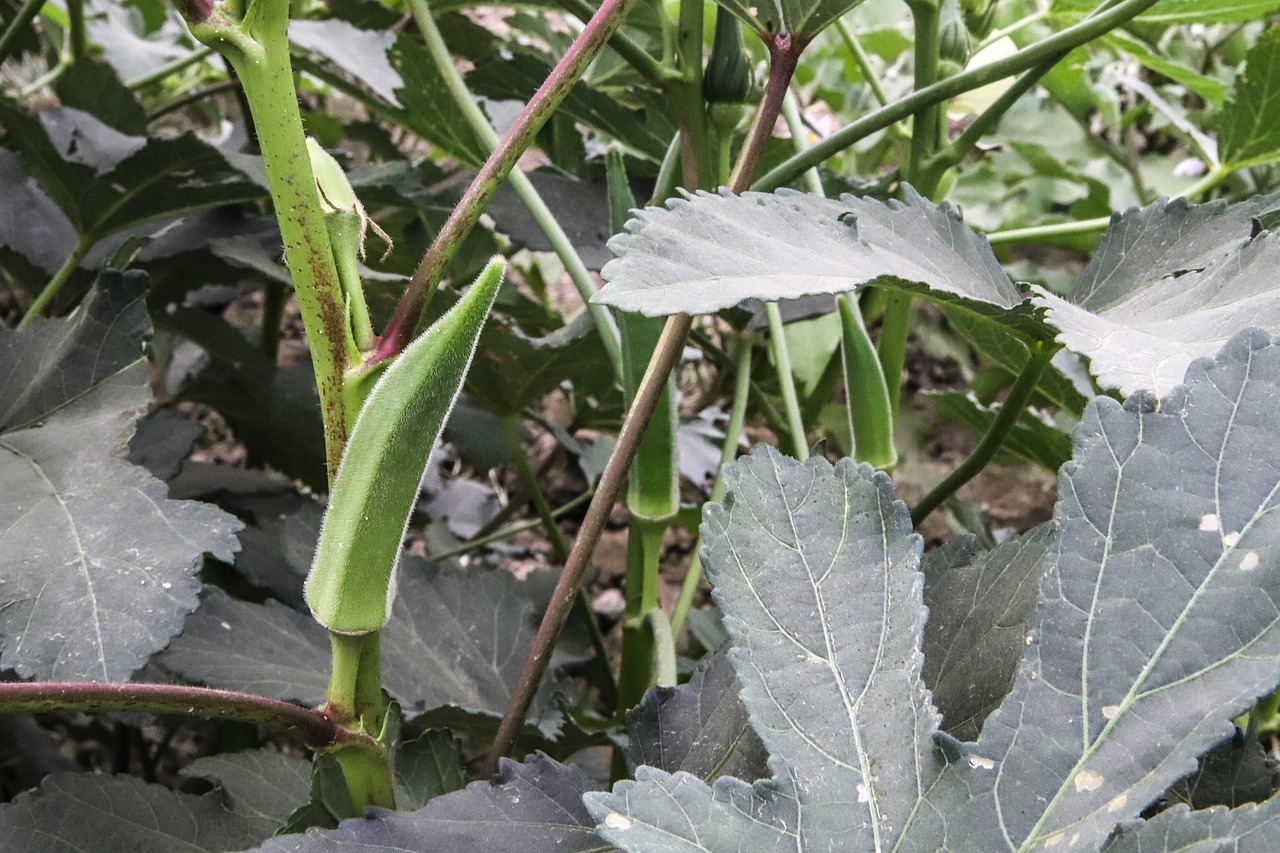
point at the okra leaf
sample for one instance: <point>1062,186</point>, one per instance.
<point>534,807</point>
<point>980,610</point>
<point>429,110</point>
<point>455,640</point>
<point>74,812</point>
<point>105,181</point>
<point>706,252</point>
<point>100,567</point>
<point>360,53</point>
<point>1248,829</point>
<point>700,727</point>
<point>427,767</point>
<point>815,569</point>
<point>803,19</point>
<point>1169,283</point>
<point>1250,134</point>
<point>259,786</point>
<point>1157,622</point>
<point>1235,772</point>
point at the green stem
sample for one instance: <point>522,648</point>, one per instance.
<point>1044,233</point>
<point>861,59</point>
<point>21,20</point>
<point>198,55</point>
<point>546,220</point>
<point>697,155</point>
<point>1064,41</point>
<point>340,699</point>
<point>315,728</point>
<point>787,379</point>
<point>495,170</point>
<point>274,297</point>
<point>644,547</point>
<point>558,543</point>
<point>1019,396</point>
<point>64,273</point>
<point>258,50</point>
<point>728,452</point>
<point>956,151</point>
<point>192,97</point>
<point>75,30</point>
<point>508,532</point>
<point>665,356</point>
<point>654,72</point>
<point>926,132</point>
<point>892,345</point>
<point>791,114</point>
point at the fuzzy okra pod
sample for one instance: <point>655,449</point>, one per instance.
<point>352,581</point>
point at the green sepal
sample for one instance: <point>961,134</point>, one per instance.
<point>351,585</point>
<point>347,223</point>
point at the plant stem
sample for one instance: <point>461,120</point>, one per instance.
<point>508,532</point>
<point>664,359</point>
<point>665,673</point>
<point>665,356</point>
<point>64,273</point>
<point>21,20</point>
<point>654,72</point>
<point>75,30</point>
<point>258,50</point>
<point>863,61</point>
<point>926,131</point>
<point>644,547</point>
<point>491,175</point>
<point>1064,41</point>
<point>198,55</point>
<point>795,125</point>
<point>559,546</point>
<point>315,728</point>
<point>1039,233</point>
<point>697,157</point>
<point>1019,395</point>
<point>786,379</point>
<point>520,182</point>
<point>193,97</point>
<point>784,55</point>
<point>728,452</point>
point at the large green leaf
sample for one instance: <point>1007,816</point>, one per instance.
<point>1157,619</point>
<point>99,567</point>
<point>1157,623</point>
<point>78,812</point>
<point>1250,134</point>
<point>1250,829</point>
<point>1169,283</point>
<point>707,252</point>
<point>815,570</point>
<point>534,807</point>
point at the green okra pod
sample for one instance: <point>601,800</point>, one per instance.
<point>352,581</point>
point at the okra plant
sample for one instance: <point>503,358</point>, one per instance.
<point>1105,680</point>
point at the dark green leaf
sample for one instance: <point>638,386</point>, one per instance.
<point>263,788</point>
<point>106,181</point>
<point>79,812</point>
<point>429,111</point>
<point>100,568</point>
<point>1250,829</point>
<point>534,807</point>
<point>1250,134</point>
<point>803,19</point>
<point>360,53</point>
<point>1183,11</point>
<point>700,727</point>
<point>428,767</point>
<point>1235,772</point>
<point>1156,624</point>
<point>799,554</point>
<point>980,611</point>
